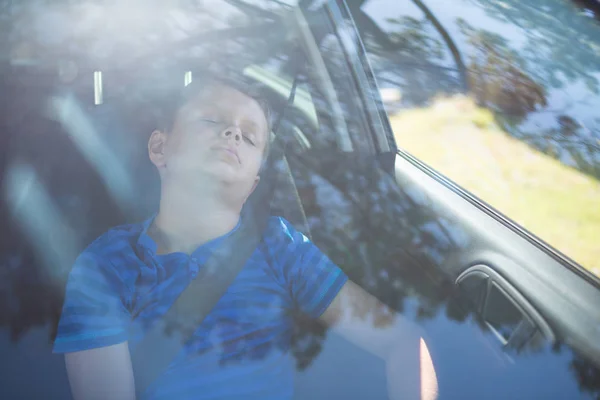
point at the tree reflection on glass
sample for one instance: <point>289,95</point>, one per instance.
<point>389,237</point>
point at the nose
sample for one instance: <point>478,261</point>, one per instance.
<point>232,133</point>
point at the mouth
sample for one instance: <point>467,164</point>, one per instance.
<point>230,152</point>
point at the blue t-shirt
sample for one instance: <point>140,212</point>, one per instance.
<point>241,349</point>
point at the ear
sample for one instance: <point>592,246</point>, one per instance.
<point>156,148</point>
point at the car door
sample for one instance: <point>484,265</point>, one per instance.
<point>525,293</point>
<point>502,309</point>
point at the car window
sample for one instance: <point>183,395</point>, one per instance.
<point>84,95</point>
<point>492,96</point>
<point>84,98</point>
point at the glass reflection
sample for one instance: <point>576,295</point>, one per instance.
<point>393,239</point>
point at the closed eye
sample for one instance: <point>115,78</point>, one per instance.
<point>247,139</point>
<point>212,121</point>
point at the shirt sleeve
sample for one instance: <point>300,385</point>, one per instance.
<point>312,278</point>
<point>93,314</point>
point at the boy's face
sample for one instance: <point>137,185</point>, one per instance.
<point>221,133</point>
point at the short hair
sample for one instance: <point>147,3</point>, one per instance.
<point>170,105</point>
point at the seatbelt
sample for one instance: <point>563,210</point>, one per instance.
<point>163,342</point>
<point>166,338</point>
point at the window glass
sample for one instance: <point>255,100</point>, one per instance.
<point>495,96</point>
<point>83,96</point>
<point>82,104</point>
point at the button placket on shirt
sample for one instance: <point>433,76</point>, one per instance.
<point>193,266</point>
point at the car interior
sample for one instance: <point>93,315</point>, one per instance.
<point>484,290</point>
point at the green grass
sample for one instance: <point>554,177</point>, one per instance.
<point>555,202</point>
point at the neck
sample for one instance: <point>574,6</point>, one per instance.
<point>187,219</point>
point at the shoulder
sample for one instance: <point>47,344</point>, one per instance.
<point>115,242</point>
<point>106,263</point>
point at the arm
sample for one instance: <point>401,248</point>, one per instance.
<point>93,330</point>
<point>102,373</point>
<point>368,323</point>
<point>321,290</point>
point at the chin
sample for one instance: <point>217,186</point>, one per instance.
<point>224,173</point>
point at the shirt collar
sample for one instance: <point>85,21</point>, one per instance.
<point>145,241</point>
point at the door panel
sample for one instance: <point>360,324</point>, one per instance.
<point>443,229</point>
<point>562,296</point>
